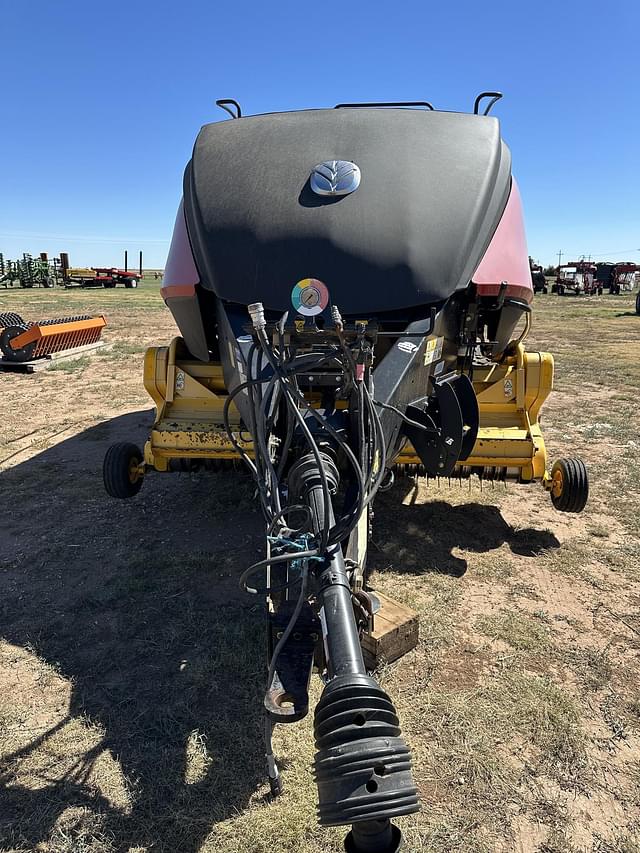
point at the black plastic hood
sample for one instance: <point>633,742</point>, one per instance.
<point>433,188</point>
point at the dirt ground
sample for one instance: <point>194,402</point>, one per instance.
<point>131,668</point>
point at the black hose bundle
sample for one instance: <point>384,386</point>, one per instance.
<point>273,391</point>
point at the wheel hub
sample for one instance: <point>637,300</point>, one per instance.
<point>557,483</point>
<point>134,471</point>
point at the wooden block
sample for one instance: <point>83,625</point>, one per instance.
<point>395,632</point>
<point>48,361</point>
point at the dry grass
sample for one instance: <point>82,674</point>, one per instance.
<point>519,631</point>
<point>131,670</point>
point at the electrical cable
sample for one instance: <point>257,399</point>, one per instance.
<point>270,561</point>
<point>402,415</point>
<point>379,446</point>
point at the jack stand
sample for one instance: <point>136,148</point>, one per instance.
<point>275,780</point>
<point>374,836</point>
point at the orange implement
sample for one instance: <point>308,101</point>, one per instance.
<point>50,336</point>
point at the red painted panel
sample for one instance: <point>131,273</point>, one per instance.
<point>180,274</point>
<point>506,258</point>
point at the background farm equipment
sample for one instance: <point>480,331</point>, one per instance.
<point>538,278</point>
<point>99,276</point>
<point>42,272</point>
<point>577,277</point>
<point>29,271</point>
<point>6,271</point>
<point>622,276</point>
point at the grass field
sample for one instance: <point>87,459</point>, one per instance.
<point>131,668</point>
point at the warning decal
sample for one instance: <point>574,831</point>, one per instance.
<point>433,350</point>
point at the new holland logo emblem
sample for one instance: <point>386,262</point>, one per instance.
<point>335,178</point>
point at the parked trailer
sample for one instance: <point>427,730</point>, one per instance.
<point>100,277</point>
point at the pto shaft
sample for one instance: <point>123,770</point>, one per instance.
<point>362,765</point>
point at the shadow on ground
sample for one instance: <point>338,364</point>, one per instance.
<point>420,538</point>
<point>136,604</point>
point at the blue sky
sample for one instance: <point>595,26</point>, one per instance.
<point>101,104</point>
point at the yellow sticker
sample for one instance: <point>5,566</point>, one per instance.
<point>433,350</point>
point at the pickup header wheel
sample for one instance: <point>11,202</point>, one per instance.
<point>569,485</point>
<point>121,470</point>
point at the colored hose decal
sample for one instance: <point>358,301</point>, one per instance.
<point>310,297</point>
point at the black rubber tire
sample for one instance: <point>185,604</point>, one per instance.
<point>575,485</point>
<point>133,282</point>
<point>16,355</point>
<point>638,303</point>
<point>545,290</point>
<point>116,470</point>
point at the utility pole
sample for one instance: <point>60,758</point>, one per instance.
<point>559,259</point>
